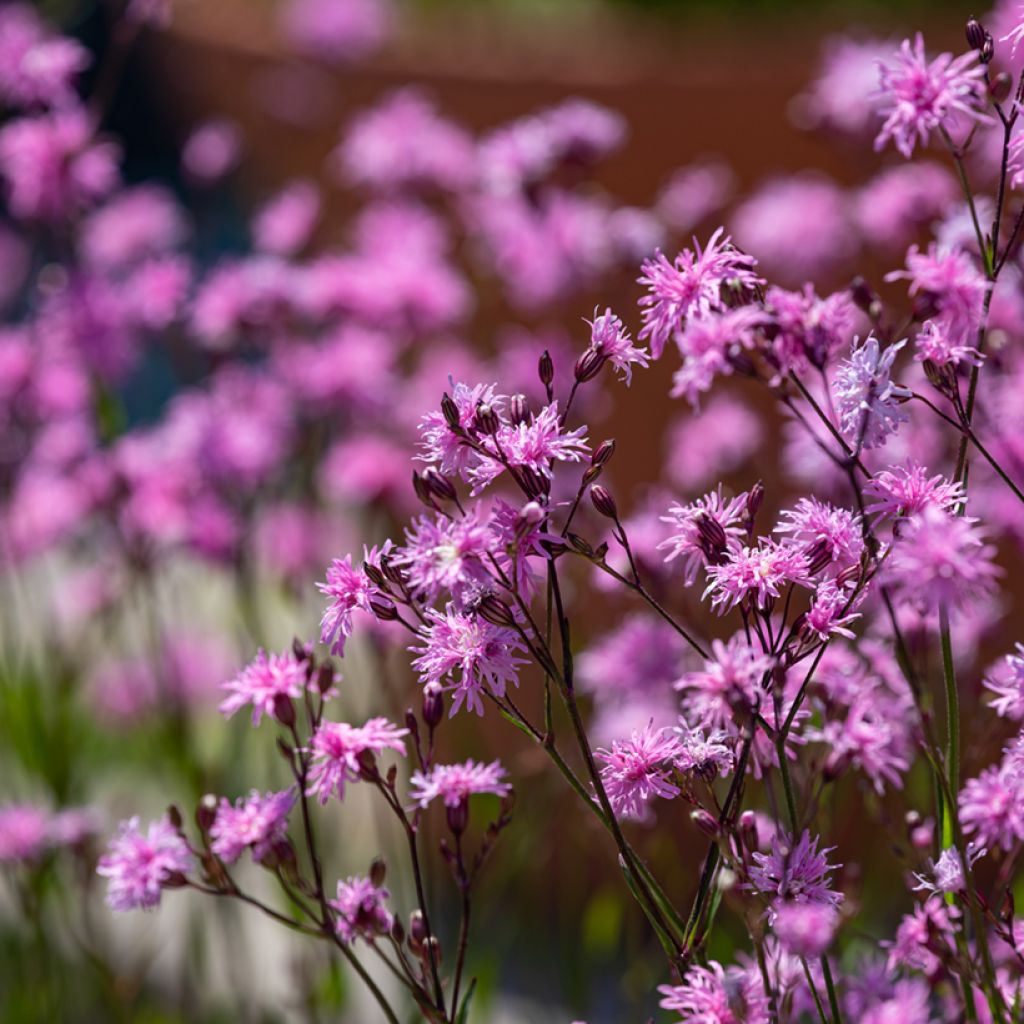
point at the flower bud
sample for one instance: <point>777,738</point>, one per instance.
<point>546,369</point>
<point>755,498</point>
<point>302,651</point>
<point>325,678</point>
<point>368,765</point>
<point>706,822</point>
<point>518,409</point>
<point>988,49</point>
<point>748,830</point>
<point>375,576</point>
<point>534,484</point>
<point>398,930</point>
<point>604,502</point>
<point>865,298</point>
<point>378,870</point>
<point>417,928</point>
<point>713,540</point>
<point>412,724</point>
<point>174,816</point>
<point>393,572</point>
<point>975,33</point>
<point>421,489</point>
<point>284,710</point>
<point>493,610</point>
<point>603,453</point>
<point>433,705</point>
<point>384,609</point>
<point>588,366</point>
<point>530,516</point>
<point>206,812</point>
<point>438,484</point>
<point>450,411</point>
<point>999,89</point>
<point>486,419</point>
<point>580,544</point>
<point>458,817</point>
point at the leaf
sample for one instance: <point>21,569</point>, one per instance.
<point>463,1014</point>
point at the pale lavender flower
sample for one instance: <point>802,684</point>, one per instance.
<point>909,1003</point>
<point>361,910</point>
<point>703,756</point>
<point>454,784</point>
<point>867,400</point>
<point>1006,681</point>
<point>262,683</point>
<point>139,866</point>
<point>469,656</point>
<point>338,747</point>
<point>610,339</point>
<point>255,821</point>
<point>796,872</point>
<point>947,873</point>
<point>992,808</point>
<point>690,285</point>
<point>637,770</point>
<point>934,344</point>
<point>831,612</point>
<point>918,97</point>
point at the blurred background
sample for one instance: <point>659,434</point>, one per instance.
<point>723,107</point>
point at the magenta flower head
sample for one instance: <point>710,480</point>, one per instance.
<point>339,748</point>
<point>942,561</point>
<point>691,285</point>
<point>705,996</point>
<point>255,821</point>
<point>454,784</point>
<point>917,97</point>
<point>637,770</point>
<point>759,573</point>
<point>24,833</point>
<point>610,339</point>
<point>805,929</point>
<point>1006,681</point>
<point>349,590</point>
<point>907,490</point>
<point>468,655</point>
<point>794,871</point>
<point>267,681</point>
<point>212,151</point>
<point>139,866</point>
<point>361,910</point>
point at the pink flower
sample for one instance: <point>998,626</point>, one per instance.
<point>704,997</point>
<point>446,556</point>
<point>935,345</point>
<point>639,769</point>
<point>337,31</point>
<point>405,143</point>
<point>727,687</point>
<point>53,166</point>
<point>139,866</point>
<point>867,400</point>
<point>469,654</point>
<point>992,808</point>
<point>922,934</point>
<point>690,285</point>
<point>212,151</point>
<point>695,192</point>
<point>705,530</point>
<point>941,561</point>
<point>454,784</point>
<point>811,329</point>
<point>896,203</point>
<point>907,490</point>
<point>828,536</point>
<point>712,443</point>
<point>918,97</point>
<point>255,821</point>
<point>1006,681</point>
<point>24,833</point>
<point>266,680</point>
<point>609,338</point>
<point>758,573</point>
<point>136,223</point>
<point>361,910</point>
<point>1016,33</point>
<point>337,748</point>
<point>36,65</point>
<point>284,224</point>
<point>349,589</point>
<point>805,929</point>
<point>844,96</point>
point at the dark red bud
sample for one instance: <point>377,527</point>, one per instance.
<point>206,812</point>
<point>450,411</point>
<point>604,502</point>
<point>546,369</point>
<point>284,710</point>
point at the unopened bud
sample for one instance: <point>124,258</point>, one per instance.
<point>384,609</point>
<point>604,502</point>
<point>412,724</point>
<point>433,705</point>
<point>999,89</point>
<point>603,453</point>
<point>518,409</point>
<point>375,576</point>
<point>707,823</point>
<point>988,49</point>
<point>284,710</point>
<point>755,499</point>
<point>458,817</point>
<point>580,545</point>
<point>378,870</point>
<point>398,930</point>
<point>450,411</point>
<point>368,765</point>
<point>175,880</point>
<point>588,366</point>
<point>417,928</point>
<point>486,419</point>
<point>865,298</point>
<point>438,484</point>
<point>531,515</point>
<point>975,33</point>
<point>493,610</point>
<point>534,483</point>
<point>546,369</point>
<point>301,650</point>
<point>174,816</point>
<point>393,572</point>
<point>206,812</point>
<point>748,830</point>
<point>325,678</point>
<point>421,489</point>
<point>712,535</point>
